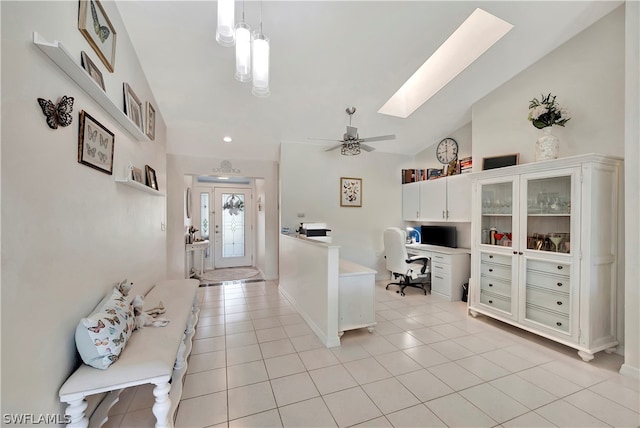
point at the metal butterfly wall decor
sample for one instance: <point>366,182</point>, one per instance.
<point>57,114</point>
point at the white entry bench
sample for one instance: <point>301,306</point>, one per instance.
<point>155,355</point>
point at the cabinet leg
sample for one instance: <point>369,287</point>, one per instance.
<point>371,328</point>
<point>610,350</point>
<point>473,313</point>
<point>340,333</point>
<point>586,356</point>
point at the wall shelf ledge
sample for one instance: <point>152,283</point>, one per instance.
<point>139,186</point>
<point>63,59</point>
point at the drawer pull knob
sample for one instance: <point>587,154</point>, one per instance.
<point>490,257</point>
<point>490,285</point>
<point>490,301</point>
<point>490,270</point>
<point>559,303</point>
<point>558,323</point>
<point>515,252</point>
<point>521,253</point>
<point>559,284</point>
<point>559,267</point>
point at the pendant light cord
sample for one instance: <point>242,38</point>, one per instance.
<point>260,17</point>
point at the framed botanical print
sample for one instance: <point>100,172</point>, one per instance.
<point>151,121</point>
<point>133,106</point>
<point>350,192</point>
<point>95,144</point>
<point>95,26</point>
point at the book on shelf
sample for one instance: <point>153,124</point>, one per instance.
<point>413,175</point>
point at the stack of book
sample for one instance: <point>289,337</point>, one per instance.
<point>413,175</point>
<point>465,165</point>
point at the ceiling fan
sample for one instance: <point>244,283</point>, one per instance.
<point>351,143</point>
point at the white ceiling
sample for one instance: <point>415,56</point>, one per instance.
<point>326,56</point>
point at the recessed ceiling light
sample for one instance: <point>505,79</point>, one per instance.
<point>227,139</point>
<point>478,32</point>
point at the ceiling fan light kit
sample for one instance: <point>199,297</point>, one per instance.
<point>351,143</point>
<point>252,50</point>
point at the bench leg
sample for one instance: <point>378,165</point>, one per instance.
<point>75,411</point>
<point>162,405</point>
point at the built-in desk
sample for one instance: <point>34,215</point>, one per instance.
<point>450,268</point>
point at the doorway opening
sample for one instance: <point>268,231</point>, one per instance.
<point>225,213</point>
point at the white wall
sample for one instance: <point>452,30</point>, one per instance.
<point>631,365</point>
<point>70,232</point>
<point>586,74</point>
<point>178,166</point>
<point>427,157</point>
<point>261,226</point>
<point>310,184</point>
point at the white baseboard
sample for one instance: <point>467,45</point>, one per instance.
<point>632,372</point>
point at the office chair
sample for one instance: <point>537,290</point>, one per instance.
<point>412,271</point>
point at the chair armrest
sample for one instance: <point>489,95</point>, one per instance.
<point>425,261</point>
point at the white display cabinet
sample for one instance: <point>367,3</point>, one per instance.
<point>545,249</point>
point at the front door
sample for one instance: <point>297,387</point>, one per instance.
<point>232,227</point>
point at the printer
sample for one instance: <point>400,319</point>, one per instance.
<point>314,230</point>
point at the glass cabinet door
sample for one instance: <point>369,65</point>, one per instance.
<point>549,203</point>
<point>497,222</point>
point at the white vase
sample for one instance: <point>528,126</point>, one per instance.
<point>547,146</point>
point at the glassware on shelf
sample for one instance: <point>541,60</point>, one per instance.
<point>556,238</point>
<point>498,237</point>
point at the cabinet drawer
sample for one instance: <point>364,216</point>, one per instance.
<point>558,302</point>
<point>495,301</point>
<point>441,284</point>
<point>548,318</point>
<point>496,258</point>
<point>559,283</point>
<point>496,286</point>
<point>440,268</point>
<point>496,271</point>
<point>441,258</point>
<point>548,267</point>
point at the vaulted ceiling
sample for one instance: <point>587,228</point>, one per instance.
<point>326,56</point>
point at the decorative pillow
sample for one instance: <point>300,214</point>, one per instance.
<point>101,337</point>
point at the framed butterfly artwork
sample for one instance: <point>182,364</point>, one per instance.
<point>95,144</point>
<point>95,26</point>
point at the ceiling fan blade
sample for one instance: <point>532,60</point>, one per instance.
<point>333,147</point>
<point>352,132</point>
<point>325,139</point>
<point>366,147</point>
<point>380,138</point>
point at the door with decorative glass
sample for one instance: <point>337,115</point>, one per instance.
<point>232,227</point>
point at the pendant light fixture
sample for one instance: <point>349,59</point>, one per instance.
<point>243,50</point>
<point>225,32</point>
<point>260,62</point>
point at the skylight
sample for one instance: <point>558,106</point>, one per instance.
<point>470,40</point>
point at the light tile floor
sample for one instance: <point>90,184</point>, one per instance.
<point>256,363</point>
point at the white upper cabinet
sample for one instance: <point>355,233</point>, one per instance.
<point>443,199</point>
<point>411,201</point>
